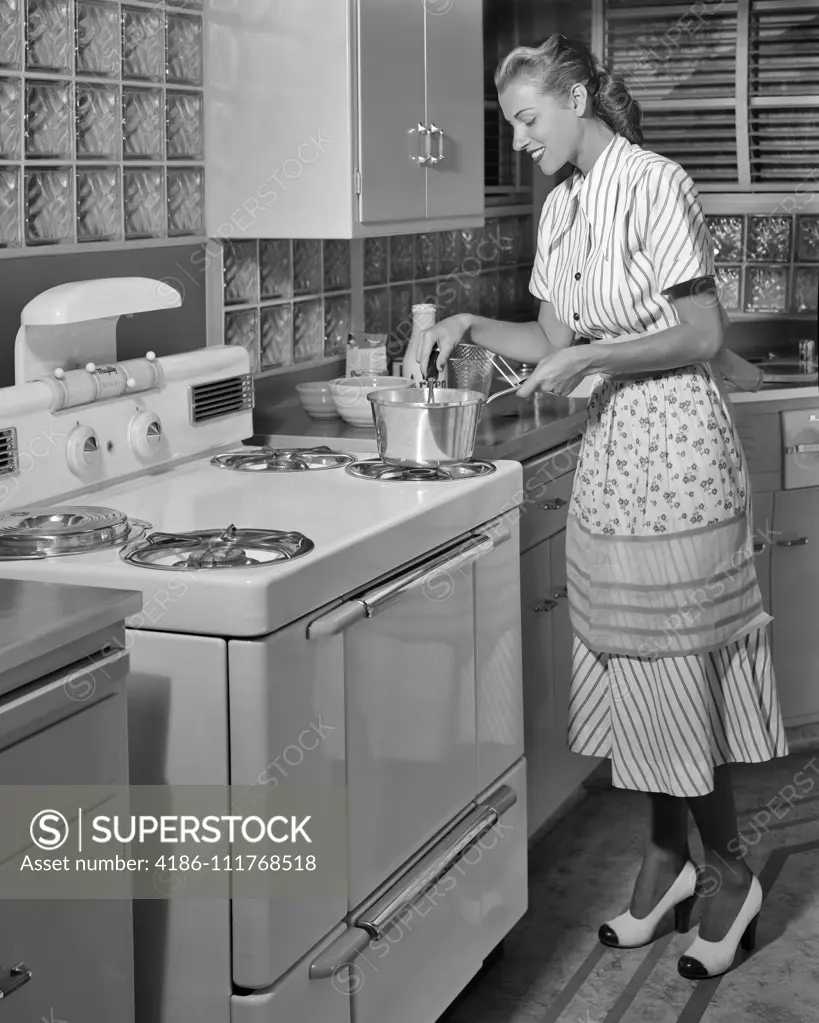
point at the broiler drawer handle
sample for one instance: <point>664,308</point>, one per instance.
<point>375,600</point>
<point>12,979</point>
<point>392,906</point>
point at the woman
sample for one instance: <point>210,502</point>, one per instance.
<point>672,676</point>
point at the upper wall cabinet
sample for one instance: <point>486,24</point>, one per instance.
<point>729,88</point>
<point>343,120</point>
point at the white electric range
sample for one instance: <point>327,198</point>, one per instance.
<point>324,626</point>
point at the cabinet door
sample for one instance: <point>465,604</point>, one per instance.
<point>454,64</point>
<point>391,106</point>
<point>794,596</point>
<point>536,620</point>
<point>569,769</point>
<point>79,951</point>
<point>763,533</point>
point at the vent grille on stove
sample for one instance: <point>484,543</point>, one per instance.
<point>221,398</point>
<point>8,450</point>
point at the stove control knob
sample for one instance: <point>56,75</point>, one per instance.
<point>150,356</point>
<point>145,434</point>
<point>90,367</point>
<point>130,382</point>
<point>83,450</point>
<point>59,373</point>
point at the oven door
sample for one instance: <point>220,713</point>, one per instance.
<point>409,655</point>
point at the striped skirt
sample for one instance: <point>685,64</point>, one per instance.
<point>672,673</point>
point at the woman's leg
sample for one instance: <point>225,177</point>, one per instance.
<point>727,878</point>
<point>665,852</point>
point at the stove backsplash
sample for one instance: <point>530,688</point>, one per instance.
<point>164,332</point>
<point>292,301</point>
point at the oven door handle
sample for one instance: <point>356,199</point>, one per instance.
<point>398,900</point>
<point>423,577</point>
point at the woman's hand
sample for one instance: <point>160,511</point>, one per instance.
<point>446,335</point>
<point>558,373</point>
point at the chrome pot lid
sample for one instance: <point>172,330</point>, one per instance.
<point>207,549</point>
<point>266,459</point>
<point>70,529</point>
<point>375,469</point>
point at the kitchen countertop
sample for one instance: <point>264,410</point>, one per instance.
<point>509,428</point>
<point>37,618</point>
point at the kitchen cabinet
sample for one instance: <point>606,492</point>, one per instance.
<point>762,515</point>
<point>63,723</point>
<point>795,597</point>
<point>570,769</point>
<point>343,120</point>
<point>554,772</point>
<point>538,701</point>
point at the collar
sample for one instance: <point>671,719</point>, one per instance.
<point>607,166</point>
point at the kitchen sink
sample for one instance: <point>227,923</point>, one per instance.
<point>784,372</point>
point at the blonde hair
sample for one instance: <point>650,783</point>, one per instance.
<point>560,63</point>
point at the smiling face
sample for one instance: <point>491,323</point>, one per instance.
<point>546,127</point>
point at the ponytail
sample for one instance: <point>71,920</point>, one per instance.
<point>558,64</point>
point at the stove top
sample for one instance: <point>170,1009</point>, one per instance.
<point>216,549</point>
<point>375,469</point>
<point>62,530</point>
<point>266,459</point>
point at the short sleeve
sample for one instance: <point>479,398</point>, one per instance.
<point>539,282</point>
<point>675,235</point>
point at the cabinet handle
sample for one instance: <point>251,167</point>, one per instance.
<point>553,504</point>
<point>561,594</point>
<point>433,130</point>
<point>799,542</point>
<point>545,605</point>
<point>423,135</point>
<point>759,546</point>
<point>12,979</point>
<point>802,449</point>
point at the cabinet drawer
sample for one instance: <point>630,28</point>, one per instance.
<point>432,946</point>
<point>33,711</point>
<point>544,509</point>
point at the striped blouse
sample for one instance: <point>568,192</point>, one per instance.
<point>615,245</point>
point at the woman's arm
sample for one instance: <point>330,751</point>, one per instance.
<point>733,367</point>
<point>696,338</point>
<point>521,342</point>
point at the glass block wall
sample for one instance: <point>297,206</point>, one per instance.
<point>767,264</point>
<point>290,301</point>
<point>101,121</point>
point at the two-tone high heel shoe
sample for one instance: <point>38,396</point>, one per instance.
<point>713,958</point>
<point>627,931</point>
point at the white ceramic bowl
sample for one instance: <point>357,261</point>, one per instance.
<point>350,396</point>
<point>316,399</point>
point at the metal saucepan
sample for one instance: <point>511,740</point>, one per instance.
<point>412,430</point>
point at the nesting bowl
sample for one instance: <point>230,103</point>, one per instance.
<point>316,397</point>
<point>350,396</point>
